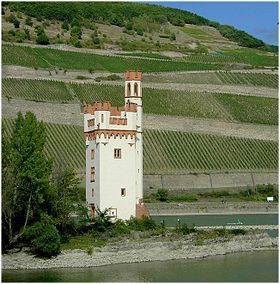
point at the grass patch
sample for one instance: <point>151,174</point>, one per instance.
<point>83,241</point>
<point>201,236</point>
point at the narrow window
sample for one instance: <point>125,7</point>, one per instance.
<point>123,192</point>
<point>102,118</point>
<point>92,174</point>
<point>92,192</point>
<point>92,154</point>
<point>136,89</point>
<point>128,89</point>
<point>117,153</point>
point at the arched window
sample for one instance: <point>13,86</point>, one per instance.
<point>136,90</point>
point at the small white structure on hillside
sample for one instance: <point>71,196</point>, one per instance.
<point>114,153</point>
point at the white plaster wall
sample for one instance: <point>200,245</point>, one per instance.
<point>116,174</point>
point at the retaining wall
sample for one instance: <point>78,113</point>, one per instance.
<point>207,182</point>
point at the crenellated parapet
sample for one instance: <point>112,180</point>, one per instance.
<point>106,106</point>
<point>110,134</point>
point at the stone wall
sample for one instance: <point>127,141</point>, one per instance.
<point>207,182</point>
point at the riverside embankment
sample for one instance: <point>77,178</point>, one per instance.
<point>143,250</point>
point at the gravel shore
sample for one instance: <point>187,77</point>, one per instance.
<point>131,251</point>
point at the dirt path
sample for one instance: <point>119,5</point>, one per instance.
<point>208,126</point>
<point>10,71</point>
<point>47,112</point>
<point>71,114</point>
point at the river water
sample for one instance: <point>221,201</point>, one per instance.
<point>258,266</point>
<point>219,220</point>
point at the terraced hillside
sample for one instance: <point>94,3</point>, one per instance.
<point>193,152</point>
<point>225,107</point>
<point>195,80</point>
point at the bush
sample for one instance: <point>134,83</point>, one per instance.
<point>238,232</point>
<point>183,197</point>
<point>43,238</point>
<point>143,224</point>
<point>185,230</point>
<point>162,195</point>
<point>42,39</point>
<point>29,22</point>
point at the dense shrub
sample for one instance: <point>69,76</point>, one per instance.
<point>185,230</point>
<point>43,238</point>
<point>143,224</point>
<point>162,195</point>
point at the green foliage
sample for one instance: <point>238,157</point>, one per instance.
<point>192,151</point>
<point>112,77</point>
<point>172,37</point>
<point>241,37</point>
<point>143,224</point>
<point>65,25</point>
<point>200,152</point>
<point>63,197</point>
<point>187,197</point>
<point>214,194</point>
<point>13,19</point>
<point>260,193</point>
<point>76,32</point>
<point>162,195</point>
<point>185,230</point>
<point>215,78</point>
<point>43,237</point>
<point>41,36</point>
<point>37,90</point>
<point>102,220</point>
<point>143,15</point>
<point>43,57</point>
<point>258,110</point>
<point>29,22</point>
<point>64,152</point>
<point>253,56</point>
<point>27,34</point>
<point>26,175</point>
<point>202,236</point>
<point>147,55</point>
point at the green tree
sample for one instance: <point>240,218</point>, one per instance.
<point>25,175</point>
<point>64,197</point>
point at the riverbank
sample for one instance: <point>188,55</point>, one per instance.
<point>143,250</point>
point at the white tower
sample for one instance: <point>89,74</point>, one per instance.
<point>114,153</point>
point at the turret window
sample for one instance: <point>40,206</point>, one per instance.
<point>92,154</point>
<point>128,89</point>
<point>117,153</point>
<point>136,90</point>
<point>102,118</point>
